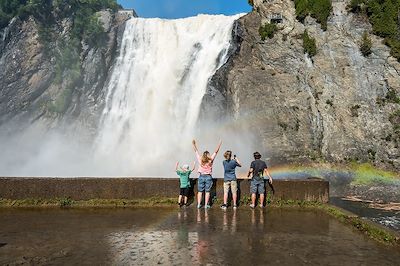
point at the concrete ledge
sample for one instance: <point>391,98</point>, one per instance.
<point>82,188</point>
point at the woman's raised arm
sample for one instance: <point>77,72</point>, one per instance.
<point>218,147</point>
<point>195,146</point>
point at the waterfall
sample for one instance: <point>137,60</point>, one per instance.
<point>156,89</point>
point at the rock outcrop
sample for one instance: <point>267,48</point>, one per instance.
<point>329,107</point>
<point>28,86</point>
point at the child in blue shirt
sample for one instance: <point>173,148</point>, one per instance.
<point>184,174</point>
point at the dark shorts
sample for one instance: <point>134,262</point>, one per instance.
<point>184,191</point>
<point>204,183</point>
<point>257,186</point>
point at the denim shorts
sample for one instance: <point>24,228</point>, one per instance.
<point>257,185</point>
<point>204,183</point>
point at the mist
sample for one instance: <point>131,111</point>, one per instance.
<point>150,117</point>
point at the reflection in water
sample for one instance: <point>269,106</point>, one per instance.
<point>245,236</point>
<point>191,236</point>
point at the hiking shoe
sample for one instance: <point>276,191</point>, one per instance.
<point>223,206</point>
<point>252,206</point>
<point>207,206</point>
<point>198,206</point>
<point>262,206</point>
<point>234,207</point>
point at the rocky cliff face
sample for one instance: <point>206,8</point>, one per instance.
<point>331,107</point>
<point>29,90</point>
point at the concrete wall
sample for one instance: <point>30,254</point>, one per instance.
<point>130,188</point>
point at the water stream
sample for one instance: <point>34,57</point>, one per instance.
<point>157,86</point>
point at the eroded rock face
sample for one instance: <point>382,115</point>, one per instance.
<point>28,74</point>
<point>300,108</point>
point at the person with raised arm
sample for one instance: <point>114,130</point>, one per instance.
<point>205,170</point>
<point>184,181</point>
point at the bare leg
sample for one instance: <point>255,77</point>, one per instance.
<point>262,199</point>
<point>185,200</point>
<point>207,198</point>
<point>225,198</point>
<point>253,199</point>
<point>179,199</point>
<point>234,197</point>
<point>199,197</point>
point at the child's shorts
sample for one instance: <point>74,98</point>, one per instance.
<point>257,185</point>
<point>184,191</point>
<point>204,183</point>
<point>230,184</point>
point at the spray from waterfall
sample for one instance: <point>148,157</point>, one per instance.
<point>152,104</point>
<point>156,89</point>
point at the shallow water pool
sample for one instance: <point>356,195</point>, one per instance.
<point>181,236</point>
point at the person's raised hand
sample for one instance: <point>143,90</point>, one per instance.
<point>193,142</point>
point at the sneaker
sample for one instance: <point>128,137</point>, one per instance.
<point>207,206</point>
<point>234,207</point>
<point>223,206</point>
<point>252,206</point>
<point>198,206</point>
<point>262,206</point>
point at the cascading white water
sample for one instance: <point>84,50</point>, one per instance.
<point>156,89</point>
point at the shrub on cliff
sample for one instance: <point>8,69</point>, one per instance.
<point>384,17</point>
<point>309,45</point>
<point>318,9</point>
<point>366,44</point>
<point>268,30</point>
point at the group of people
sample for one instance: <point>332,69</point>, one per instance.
<point>258,172</point>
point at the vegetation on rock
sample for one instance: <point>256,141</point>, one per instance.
<point>83,27</point>
<point>395,120</point>
<point>384,16</point>
<point>45,9</point>
<point>318,9</point>
<point>268,30</point>
<point>309,44</point>
<point>366,44</point>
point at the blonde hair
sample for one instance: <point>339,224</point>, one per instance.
<point>205,158</point>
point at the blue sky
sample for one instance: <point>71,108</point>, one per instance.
<point>185,8</point>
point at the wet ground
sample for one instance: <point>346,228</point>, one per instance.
<point>388,218</point>
<point>190,236</point>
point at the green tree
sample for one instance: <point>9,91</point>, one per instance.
<point>318,9</point>
<point>366,44</point>
<point>309,44</point>
<point>321,9</point>
<point>268,30</point>
<point>384,20</point>
<point>302,9</point>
